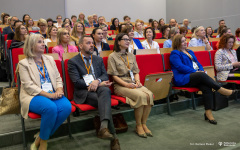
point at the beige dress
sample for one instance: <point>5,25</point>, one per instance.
<point>116,67</point>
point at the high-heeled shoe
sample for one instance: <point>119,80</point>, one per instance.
<point>148,133</point>
<point>210,121</point>
<point>144,135</point>
<point>33,145</point>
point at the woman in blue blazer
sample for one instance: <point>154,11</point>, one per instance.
<point>188,72</point>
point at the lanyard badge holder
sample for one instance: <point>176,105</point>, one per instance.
<point>130,71</point>
<point>88,78</point>
<point>195,66</point>
<point>46,86</point>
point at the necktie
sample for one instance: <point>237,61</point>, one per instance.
<point>87,64</point>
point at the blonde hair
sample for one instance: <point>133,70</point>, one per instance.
<point>89,16</point>
<point>74,30</point>
<point>30,43</point>
<point>43,21</point>
<point>60,34</point>
<point>195,31</point>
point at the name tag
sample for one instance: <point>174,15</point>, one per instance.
<point>88,78</point>
<point>131,75</point>
<point>47,87</point>
<point>195,66</point>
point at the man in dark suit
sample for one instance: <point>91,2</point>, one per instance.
<point>91,86</point>
<point>10,29</point>
<point>221,22</point>
<point>100,22</point>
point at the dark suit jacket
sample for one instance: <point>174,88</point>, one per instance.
<point>76,70</point>
<point>7,30</point>
<point>10,36</point>
<point>105,47</point>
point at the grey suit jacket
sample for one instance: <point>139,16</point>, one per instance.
<point>77,70</point>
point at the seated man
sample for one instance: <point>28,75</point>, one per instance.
<point>91,83</point>
<point>16,24</point>
<point>10,29</point>
<point>100,22</point>
<point>221,23</point>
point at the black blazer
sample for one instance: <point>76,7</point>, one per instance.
<point>105,47</point>
<point>8,30</point>
<point>76,70</point>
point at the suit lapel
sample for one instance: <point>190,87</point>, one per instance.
<point>95,63</point>
<point>34,70</point>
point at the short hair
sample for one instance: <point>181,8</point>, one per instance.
<point>150,20</point>
<point>89,16</point>
<point>43,21</point>
<point>103,26</point>
<point>193,29</point>
<point>173,19</point>
<point>82,38</point>
<point>126,29</point>
<point>73,16</point>
<point>221,28</point>
<point>58,16</point>
<point>59,35</point>
<point>220,21</point>
<point>224,39</point>
<point>207,28</point>
<point>12,17</point>
<point>185,20</point>
<point>163,29</point>
<point>49,19</point>
<point>4,17</point>
<point>30,43</point>
<point>16,22</point>
<point>125,17</point>
<point>177,41</point>
<point>118,38</point>
<point>74,30</point>
<point>194,35</point>
<point>81,14</point>
<point>17,33</point>
<point>183,29</point>
<point>173,30</point>
<point>237,32</point>
<point>24,17</point>
<point>49,30</point>
<point>224,31</point>
<point>145,32</point>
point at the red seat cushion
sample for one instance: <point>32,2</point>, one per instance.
<point>122,99</point>
<point>214,45</point>
<point>50,49</point>
<point>158,35</point>
<point>189,89</point>
<point>160,45</point>
<point>232,81</point>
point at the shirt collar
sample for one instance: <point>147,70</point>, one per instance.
<point>85,56</point>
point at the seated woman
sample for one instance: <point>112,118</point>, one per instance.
<point>63,45</point>
<point>183,31</point>
<point>67,20</point>
<point>67,26</point>
<point>199,39</point>
<point>188,72</point>
<point>149,35</point>
<point>81,18</point>
<point>161,23</point>
<point>59,21</point>
<point>5,17</point>
<point>226,61</point>
<point>106,37</point>
<point>30,25</point>
<point>25,18</point>
<point>134,43</point>
<point>209,32</point>
<point>52,35</point>
<point>237,34</point>
<point>139,30</point>
<point>42,24</point>
<point>77,32</point>
<point>155,25</point>
<point>90,22</point>
<point>123,68</point>
<point>168,43</point>
<point>20,35</point>
<point>97,35</point>
<point>115,25</point>
<point>165,31</point>
<point>219,31</point>
<point>49,22</point>
<point>42,90</point>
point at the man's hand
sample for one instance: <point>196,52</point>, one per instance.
<point>93,85</point>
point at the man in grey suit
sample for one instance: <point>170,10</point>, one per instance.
<point>91,86</point>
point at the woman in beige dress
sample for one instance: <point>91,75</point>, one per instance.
<point>123,68</point>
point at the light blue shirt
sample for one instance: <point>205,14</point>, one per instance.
<point>167,44</point>
<point>197,42</point>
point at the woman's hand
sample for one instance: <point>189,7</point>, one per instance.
<point>130,85</point>
<point>138,84</point>
<point>236,64</point>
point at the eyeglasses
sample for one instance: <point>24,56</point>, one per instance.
<point>65,33</point>
<point>42,25</point>
<point>126,40</point>
<point>59,18</point>
<point>23,28</point>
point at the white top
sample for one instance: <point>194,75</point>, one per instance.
<point>154,45</point>
<point>138,35</point>
<point>132,47</point>
<point>58,25</point>
<point>46,41</point>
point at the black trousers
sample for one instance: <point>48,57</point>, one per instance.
<point>101,99</point>
<point>205,83</point>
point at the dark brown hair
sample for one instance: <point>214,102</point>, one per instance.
<point>145,32</point>
<point>17,35</point>
<point>126,29</point>
<point>177,41</point>
<point>183,29</point>
<point>117,39</point>
<point>237,32</point>
<point>224,39</point>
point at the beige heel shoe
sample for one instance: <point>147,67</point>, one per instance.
<point>148,133</point>
<point>33,146</point>
<point>144,135</point>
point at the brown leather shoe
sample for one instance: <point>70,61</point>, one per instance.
<point>105,134</point>
<point>115,145</point>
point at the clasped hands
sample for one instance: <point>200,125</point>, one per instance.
<point>57,95</point>
<point>95,84</point>
<point>138,84</point>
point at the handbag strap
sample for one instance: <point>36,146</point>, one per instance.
<point>16,74</point>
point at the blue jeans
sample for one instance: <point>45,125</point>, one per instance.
<point>53,113</point>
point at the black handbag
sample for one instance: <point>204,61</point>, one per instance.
<point>219,101</point>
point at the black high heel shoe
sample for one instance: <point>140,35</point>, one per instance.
<point>210,121</point>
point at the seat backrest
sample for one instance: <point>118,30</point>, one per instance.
<point>15,53</point>
<point>59,67</point>
<point>158,35</point>
<point>160,40</point>
<point>51,44</point>
<point>148,64</point>
<point>50,49</point>
<point>5,37</point>
<point>146,51</point>
<point>9,42</point>
<point>165,50</point>
<point>160,45</point>
<point>166,58</point>
<point>203,58</point>
<point>214,45</point>
<point>212,53</point>
<point>105,53</point>
<point>69,84</point>
<point>110,42</point>
<point>111,47</point>
<point>69,55</point>
<point>197,48</point>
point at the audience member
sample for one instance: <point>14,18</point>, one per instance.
<point>10,28</point>
<point>49,22</point>
<point>67,20</point>
<point>91,86</point>
<point>115,25</point>
<point>188,72</point>
<point>77,32</point>
<point>134,43</point>
<point>100,22</point>
<point>20,35</point>
<point>5,19</point>
<point>127,83</point>
<point>30,25</point>
<point>237,35</point>
<point>59,21</point>
<point>209,32</point>
<point>173,23</point>
<point>138,33</point>
<point>73,20</point>
<point>63,45</point>
<point>168,43</point>
<point>95,19</point>
<point>183,31</point>
<point>161,23</point>
<point>199,39</point>
<point>42,24</point>
<point>90,22</point>
<point>81,18</point>
<point>220,30</point>
<point>15,25</point>
<point>186,24</point>
<point>106,37</point>
<point>127,19</point>
<point>67,26</point>
<point>165,31</point>
<point>25,18</point>
<point>221,23</point>
<point>52,35</point>
<point>97,35</point>
<point>155,25</point>
<point>149,34</point>
<point>150,22</point>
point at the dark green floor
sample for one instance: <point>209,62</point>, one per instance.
<point>186,130</point>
